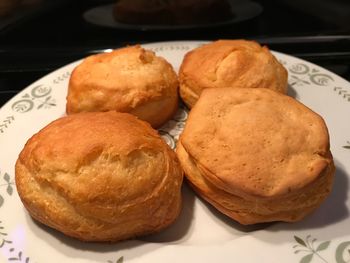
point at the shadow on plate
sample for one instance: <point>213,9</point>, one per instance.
<point>227,222</point>
<point>292,92</point>
<point>178,231</point>
<point>333,210</point>
<point>73,248</point>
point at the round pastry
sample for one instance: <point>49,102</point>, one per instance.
<point>230,63</point>
<point>130,79</point>
<point>101,176</point>
<point>256,155</point>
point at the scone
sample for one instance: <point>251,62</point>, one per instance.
<point>129,79</point>
<point>256,155</point>
<point>101,176</point>
<point>230,63</point>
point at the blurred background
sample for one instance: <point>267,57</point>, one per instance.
<point>39,36</point>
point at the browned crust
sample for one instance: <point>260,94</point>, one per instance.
<point>256,154</point>
<point>129,79</point>
<point>100,177</point>
<point>248,209</point>
<point>230,63</point>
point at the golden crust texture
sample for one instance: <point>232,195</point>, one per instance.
<point>256,155</point>
<point>102,176</point>
<point>230,63</point>
<point>129,79</point>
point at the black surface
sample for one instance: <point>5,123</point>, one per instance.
<point>55,33</point>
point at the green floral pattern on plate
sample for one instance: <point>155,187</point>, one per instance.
<point>39,97</point>
<point>6,122</point>
<point>302,74</point>
<point>3,236</point>
<point>5,242</point>
<point>312,249</point>
<point>119,260</point>
<point>8,184</point>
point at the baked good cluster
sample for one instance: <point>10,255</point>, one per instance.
<point>103,173</point>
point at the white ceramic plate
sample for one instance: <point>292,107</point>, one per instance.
<point>103,16</point>
<point>201,234</point>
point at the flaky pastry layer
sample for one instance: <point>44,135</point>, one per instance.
<point>100,177</point>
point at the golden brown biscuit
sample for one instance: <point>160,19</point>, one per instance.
<point>256,155</point>
<point>130,79</point>
<point>103,176</point>
<point>230,63</point>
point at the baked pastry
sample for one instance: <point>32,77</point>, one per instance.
<point>129,79</point>
<point>256,155</point>
<point>171,12</point>
<point>115,179</point>
<point>230,63</point>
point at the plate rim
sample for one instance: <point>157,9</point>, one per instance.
<point>191,42</point>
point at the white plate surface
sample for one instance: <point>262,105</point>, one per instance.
<point>201,234</point>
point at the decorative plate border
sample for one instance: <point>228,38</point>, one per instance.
<point>302,74</point>
<point>38,97</point>
<point>14,255</point>
<point>313,253</point>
